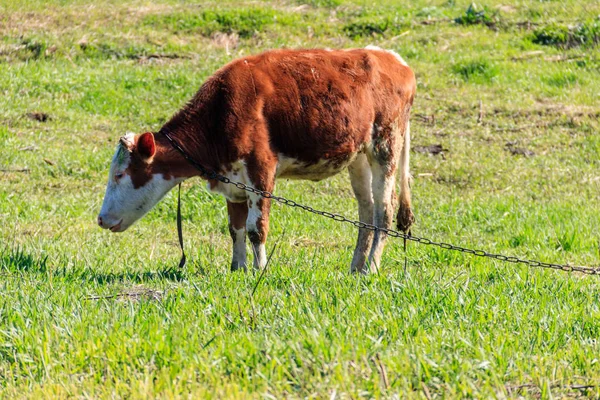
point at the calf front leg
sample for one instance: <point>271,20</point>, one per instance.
<point>257,225</point>
<point>238,213</point>
<point>262,178</point>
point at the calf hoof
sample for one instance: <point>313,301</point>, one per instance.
<point>236,266</point>
<point>364,270</point>
<point>404,219</point>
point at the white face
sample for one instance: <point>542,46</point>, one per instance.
<point>123,203</point>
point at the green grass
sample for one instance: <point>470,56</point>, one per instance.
<point>473,16</point>
<point>245,21</point>
<point>476,71</point>
<point>582,34</point>
<point>86,313</point>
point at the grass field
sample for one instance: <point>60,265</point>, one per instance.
<point>510,90</point>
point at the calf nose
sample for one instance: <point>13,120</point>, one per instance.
<point>99,220</point>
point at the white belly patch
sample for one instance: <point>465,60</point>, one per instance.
<point>287,167</point>
<point>292,168</point>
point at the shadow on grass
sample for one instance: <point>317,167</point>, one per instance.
<point>89,275</point>
<point>17,260</point>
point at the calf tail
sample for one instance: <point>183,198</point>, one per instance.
<point>405,217</point>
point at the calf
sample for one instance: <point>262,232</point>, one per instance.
<point>297,114</point>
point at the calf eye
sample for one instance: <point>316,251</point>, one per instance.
<point>118,175</point>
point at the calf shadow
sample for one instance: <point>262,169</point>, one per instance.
<point>18,261</point>
<point>164,273</point>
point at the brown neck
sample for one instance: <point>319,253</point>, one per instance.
<point>190,135</point>
<point>199,128</point>
<point>169,161</point>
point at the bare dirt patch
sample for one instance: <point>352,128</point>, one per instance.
<point>38,116</point>
<point>228,41</point>
<point>432,149</point>
<point>136,293</point>
<point>513,149</point>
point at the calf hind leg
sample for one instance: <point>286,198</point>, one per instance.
<point>383,208</point>
<point>360,177</point>
<point>390,143</point>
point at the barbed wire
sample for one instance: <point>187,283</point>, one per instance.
<point>363,225</point>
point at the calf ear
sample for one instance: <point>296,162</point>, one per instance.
<point>146,146</point>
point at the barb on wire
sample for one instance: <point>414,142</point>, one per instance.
<point>390,232</point>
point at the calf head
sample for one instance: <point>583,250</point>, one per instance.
<point>136,182</point>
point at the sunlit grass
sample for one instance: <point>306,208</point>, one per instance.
<point>452,326</point>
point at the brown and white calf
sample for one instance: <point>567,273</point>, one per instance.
<point>298,114</point>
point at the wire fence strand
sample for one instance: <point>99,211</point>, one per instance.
<point>390,232</point>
